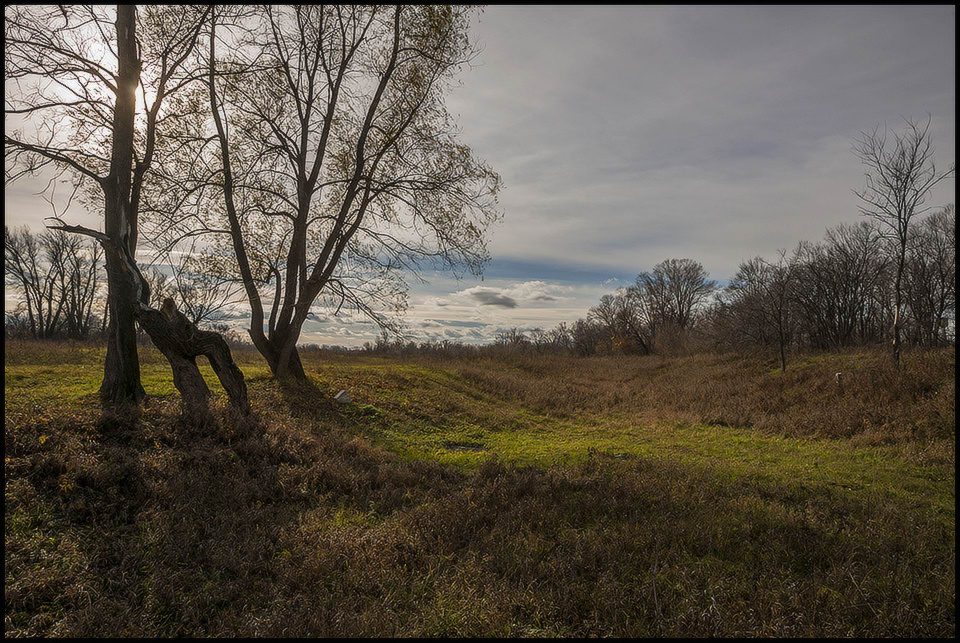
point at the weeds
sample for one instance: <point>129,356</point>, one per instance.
<point>294,524</point>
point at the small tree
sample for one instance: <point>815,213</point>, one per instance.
<point>899,178</point>
<point>760,297</point>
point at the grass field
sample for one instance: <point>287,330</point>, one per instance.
<point>521,496</point>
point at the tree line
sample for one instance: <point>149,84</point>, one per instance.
<point>58,277</point>
<point>832,294</point>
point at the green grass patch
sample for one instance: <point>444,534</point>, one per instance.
<point>698,497</point>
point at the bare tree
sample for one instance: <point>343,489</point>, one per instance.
<point>81,269</point>
<point>672,295</point>
<point>560,337</point>
<point>899,178</point>
<point>16,325</point>
<point>663,302</point>
<point>930,277</point>
<point>512,337</point>
<point>539,338</point>
<point>840,296</point>
<point>625,316</point>
<point>33,265</point>
<point>335,163</point>
<point>586,336</point>
<point>59,71</point>
<point>61,81</point>
<point>761,299</point>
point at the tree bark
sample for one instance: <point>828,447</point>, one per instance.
<point>896,318</point>
<point>181,342</point>
<point>121,369</point>
<point>121,373</point>
<point>292,367</point>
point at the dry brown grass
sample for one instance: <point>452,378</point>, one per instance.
<point>291,525</point>
<point>876,405</point>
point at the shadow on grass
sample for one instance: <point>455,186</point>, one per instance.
<point>289,526</point>
<point>304,399</point>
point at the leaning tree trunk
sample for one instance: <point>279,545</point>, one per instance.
<point>181,342</point>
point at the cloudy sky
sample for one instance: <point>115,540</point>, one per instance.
<point>629,135</point>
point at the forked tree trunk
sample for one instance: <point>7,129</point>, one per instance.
<point>292,369</point>
<point>181,342</point>
<point>272,351</point>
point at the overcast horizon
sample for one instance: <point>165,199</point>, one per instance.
<point>629,135</point>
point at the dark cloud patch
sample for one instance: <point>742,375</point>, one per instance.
<point>492,297</point>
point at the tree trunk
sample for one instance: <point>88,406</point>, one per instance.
<point>783,357</point>
<point>121,369</point>
<point>293,368</point>
<point>896,313</point>
<point>181,342</point>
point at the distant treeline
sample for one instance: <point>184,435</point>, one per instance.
<point>833,294</point>
<point>60,281</point>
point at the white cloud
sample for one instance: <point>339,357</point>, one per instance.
<point>629,135</point>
